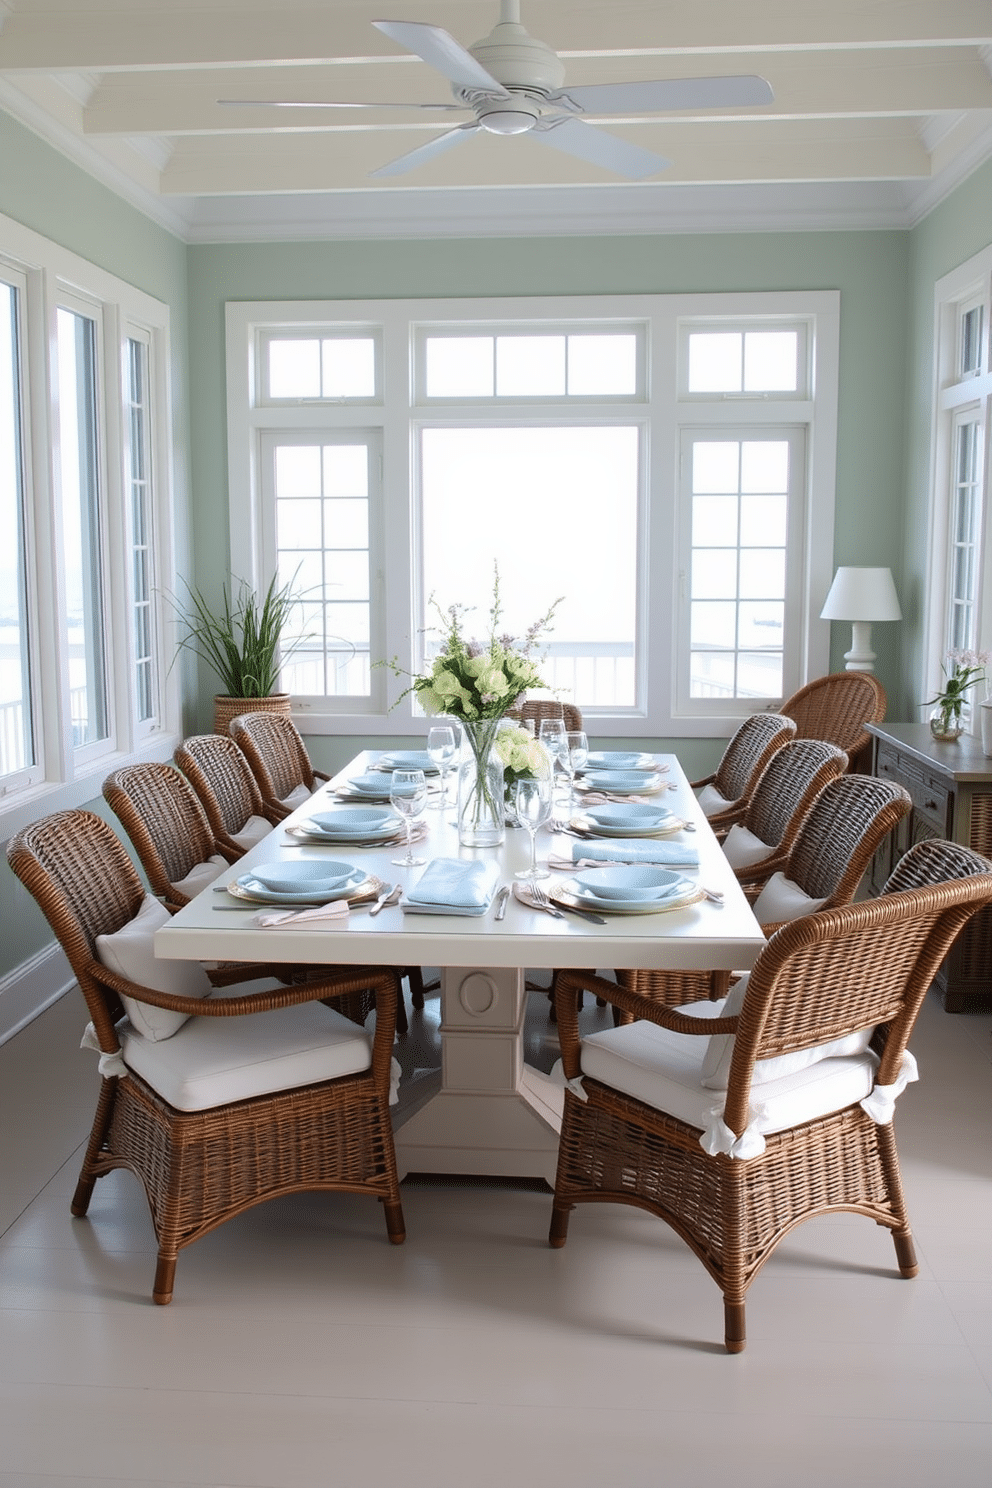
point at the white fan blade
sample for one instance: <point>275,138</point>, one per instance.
<point>741,91</point>
<point>423,153</point>
<point>442,52</point>
<point>573,137</point>
<point>314,103</point>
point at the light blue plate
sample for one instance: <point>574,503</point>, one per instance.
<point>629,882</point>
<point>377,786</point>
<point>629,815</point>
<point>407,759</point>
<point>305,877</point>
<point>253,888</point>
<point>620,780</point>
<point>616,759</point>
<point>683,891</point>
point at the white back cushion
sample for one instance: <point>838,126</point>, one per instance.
<point>781,899</point>
<point>297,796</point>
<point>130,952</point>
<point>742,848</point>
<point>254,829</point>
<point>202,875</point>
<point>711,800</point>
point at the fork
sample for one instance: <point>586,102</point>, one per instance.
<point>542,901</point>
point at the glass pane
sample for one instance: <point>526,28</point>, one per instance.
<point>765,466</point>
<point>509,488</point>
<point>971,339</point>
<point>967,461</point>
<point>346,576</point>
<point>713,625</point>
<point>348,624</point>
<point>138,465</point>
<point>298,470</point>
<point>715,466</point>
<point>602,366</point>
<point>304,571</point>
<point>763,573</point>
<point>346,470</point>
<point>759,675</point>
<point>459,366</point>
<point>347,523</point>
<point>81,535</point>
<point>16,748</point>
<point>714,573</point>
<point>715,362</point>
<point>763,520</point>
<point>761,625</point>
<point>298,523</point>
<point>711,674</point>
<point>294,368</point>
<point>530,366</point>
<point>771,361</point>
<point>348,368</point>
<point>714,521</point>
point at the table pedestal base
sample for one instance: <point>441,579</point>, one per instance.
<point>494,1114</point>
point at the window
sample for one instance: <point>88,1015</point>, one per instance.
<point>393,452</point>
<point>959,612</point>
<point>84,520</point>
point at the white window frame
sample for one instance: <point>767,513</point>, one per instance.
<point>48,276</point>
<point>957,394</point>
<point>399,414</point>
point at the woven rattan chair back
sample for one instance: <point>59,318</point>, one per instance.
<point>748,753</point>
<point>167,826</point>
<point>277,755</point>
<point>826,976</point>
<point>847,822</point>
<point>836,708</point>
<point>223,781</point>
<point>536,710</point>
<point>787,788</point>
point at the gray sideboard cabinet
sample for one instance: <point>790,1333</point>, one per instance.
<point>951,789</point>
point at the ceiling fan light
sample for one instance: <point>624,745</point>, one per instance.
<point>508,120</point>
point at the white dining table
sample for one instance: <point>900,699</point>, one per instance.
<point>492,1113</point>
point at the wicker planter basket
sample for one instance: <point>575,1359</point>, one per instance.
<point>226,708</point>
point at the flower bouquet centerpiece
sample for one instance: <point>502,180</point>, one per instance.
<point>523,758</point>
<point>478,682</point>
<point>962,671</point>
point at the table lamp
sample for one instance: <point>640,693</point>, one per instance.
<point>861,595</point>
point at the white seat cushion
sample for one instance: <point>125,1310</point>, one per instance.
<point>202,875</point>
<point>254,829</point>
<point>742,848</point>
<point>781,899</point>
<point>131,953</point>
<point>298,796</point>
<point>663,1070</point>
<point>715,1070</point>
<point>711,800</point>
<point>213,1061</point>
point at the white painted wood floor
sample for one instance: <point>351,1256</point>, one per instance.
<point>302,1351</point>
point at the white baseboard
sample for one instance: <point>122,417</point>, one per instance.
<point>32,987</point>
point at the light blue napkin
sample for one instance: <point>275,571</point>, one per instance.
<point>453,886</point>
<point>669,854</point>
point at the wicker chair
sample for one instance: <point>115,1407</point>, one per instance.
<point>278,759</point>
<point>537,709</point>
<point>836,708</point>
<point>733,1183</point>
<point>168,828</point>
<point>724,794</point>
<point>760,842</point>
<point>204,1156</point>
<point>834,845</point>
<point>227,790</point>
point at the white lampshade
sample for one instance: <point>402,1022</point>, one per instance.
<point>862,594</point>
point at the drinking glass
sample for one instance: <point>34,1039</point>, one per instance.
<point>575,758</point>
<point>408,796</point>
<point>532,803</point>
<point>441,749</point>
<point>552,736</point>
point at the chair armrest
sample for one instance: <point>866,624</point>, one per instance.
<point>706,780</point>
<point>275,811</point>
<point>320,775</point>
<point>334,985</point>
<point>756,875</point>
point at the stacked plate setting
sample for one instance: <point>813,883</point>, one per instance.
<point>627,819</point>
<point>621,782</point>
<point>619,759</point>
<point>299,883</point>
<point>629,889</point>
<point>363,826</point>
<point>407,759</point>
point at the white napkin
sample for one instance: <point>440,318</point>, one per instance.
<point>338,909</point>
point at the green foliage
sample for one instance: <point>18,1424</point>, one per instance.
<point>241,640</point>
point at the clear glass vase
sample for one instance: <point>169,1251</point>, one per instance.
<point>945,724</point>
<point>480,787</point>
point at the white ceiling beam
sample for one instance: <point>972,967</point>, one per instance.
<point>226,33</point>
<point>821,84</point>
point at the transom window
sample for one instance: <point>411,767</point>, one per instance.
<point>603,364</point>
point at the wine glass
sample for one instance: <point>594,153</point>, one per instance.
<point>441,750</point>
<point>408,796</point>
<point>575,757</point>
<point>552,736</point>
<point>532,803</point>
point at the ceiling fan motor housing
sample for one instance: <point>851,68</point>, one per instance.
<point>527,68</point>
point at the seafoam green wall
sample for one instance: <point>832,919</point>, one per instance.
<point>956,230</point>
<point>869,270</point>
<point>42,190</point>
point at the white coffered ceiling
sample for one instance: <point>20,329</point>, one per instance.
<point>880,107</point>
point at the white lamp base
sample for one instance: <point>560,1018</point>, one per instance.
<point>860,658</point>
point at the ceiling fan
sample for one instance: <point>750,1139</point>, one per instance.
<point>514,84</point>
